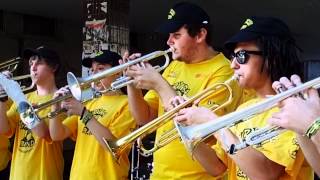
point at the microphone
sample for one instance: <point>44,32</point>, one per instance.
<point>28,115</point>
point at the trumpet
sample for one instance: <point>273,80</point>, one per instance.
<point>80,85</point>
<point>193,135</point>
<point>118,146</point>
<point>37,108</point>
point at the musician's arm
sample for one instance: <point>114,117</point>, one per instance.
<point>316,140</point>
<point>310,152</point>
<point>42,130</point>
<point>166,93</point>
<point>139,108</point>
<point>99,131</point>
<point>213,165</point>
<point>59,131</point>
<point>4,123</point>
<point>256,166</point>
<point>252,162</point>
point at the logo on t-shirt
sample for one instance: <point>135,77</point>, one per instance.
<point>27,142</point>
<point>97,114</point>
<point>246,131</point>
<point>172,74</point>
<point>181,88</point>
<point>295,148</point>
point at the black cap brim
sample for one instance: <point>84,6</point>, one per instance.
<point>242,36</point>
<point>87,62</point>
<point>29,52</point>
<point>169,27</point>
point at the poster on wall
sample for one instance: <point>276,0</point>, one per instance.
<point>95,34</point>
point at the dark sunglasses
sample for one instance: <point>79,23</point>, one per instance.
<point>242,56</point>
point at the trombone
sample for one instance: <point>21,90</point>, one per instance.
<point>78,85</point>
<point>10,65</point>
<point>193,135</point>
<point>24,88</point>
<point>118,146</point>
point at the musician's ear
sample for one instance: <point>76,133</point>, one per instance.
<point>202,35</point>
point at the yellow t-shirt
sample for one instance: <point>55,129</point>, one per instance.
<point>282,149</point>
<point>4,151</point>
<point>91,160</point>
<point>33,158</point>
<point>4,146</point>
<point>173,161</point>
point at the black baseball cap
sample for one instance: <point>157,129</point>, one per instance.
<point>49,55</point>
<point>255,27</point>
<point>104,57</point>
<point>181,14</point>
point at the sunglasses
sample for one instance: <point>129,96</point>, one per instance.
<point>242,56</point>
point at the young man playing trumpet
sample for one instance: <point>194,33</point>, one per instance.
<point>261,52</point>
<point>35,156</point>
<point>106,117</point>
<point>195,66</point>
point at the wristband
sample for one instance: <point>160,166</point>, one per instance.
<point>82,112</point>
<point>313,129</point>
<point>86,116</point>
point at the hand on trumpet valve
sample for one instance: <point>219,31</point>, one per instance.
<point>73,106</point>
<point>126,57</point>
<point>145,77</point>
<point>174,102</point>
<point>61,92</point>
<point>194,115</point>
<point>297,113</point>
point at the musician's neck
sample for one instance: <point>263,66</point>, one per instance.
<point>46,88</point>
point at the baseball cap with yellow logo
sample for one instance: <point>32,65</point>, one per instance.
<point>104,57</point>
<point>181,14</point>
<point>255,27</point>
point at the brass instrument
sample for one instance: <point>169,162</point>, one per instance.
<point>24,88</point>
<point>193,135</point>
<point>10,65</point>
<point>56,100</point>
<point>79,85</point>
<point>37,108</point>
<point>118,146</point>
